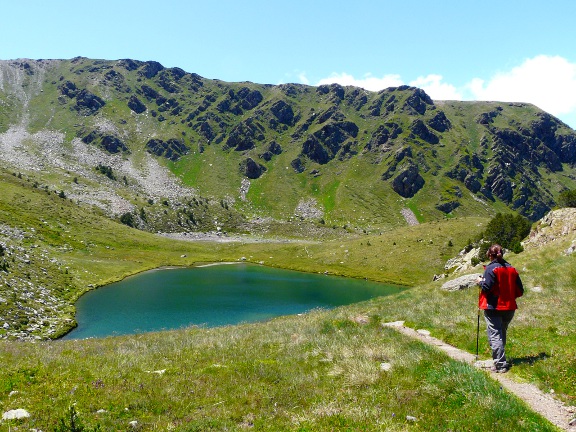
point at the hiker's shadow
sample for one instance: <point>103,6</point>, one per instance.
<point>530,360</point>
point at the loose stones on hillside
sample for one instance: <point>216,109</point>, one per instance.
<point>308,209</point>
<point>15,414</point>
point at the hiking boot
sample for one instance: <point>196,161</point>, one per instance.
<point>499,370</point>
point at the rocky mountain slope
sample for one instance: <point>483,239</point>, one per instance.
<point>169,150</point>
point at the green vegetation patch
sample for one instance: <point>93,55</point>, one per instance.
<point>318,372</point>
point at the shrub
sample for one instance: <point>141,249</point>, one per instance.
<point>71,423</point>
<point>508,230</point>
<point>106,170</point>
<point>128,219</point>
<point>567,198</point>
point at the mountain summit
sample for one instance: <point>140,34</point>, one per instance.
<point>179,152</point>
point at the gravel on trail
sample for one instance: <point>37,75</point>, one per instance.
<point>544,404</point>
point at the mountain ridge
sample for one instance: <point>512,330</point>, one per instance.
<point>359,157</point>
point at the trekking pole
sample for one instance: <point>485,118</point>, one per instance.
<point>478,324</point>
<point>477,334</point>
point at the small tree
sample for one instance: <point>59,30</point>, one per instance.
<point>128,219</point>
<point>567,198</point>
<point>508,230</point>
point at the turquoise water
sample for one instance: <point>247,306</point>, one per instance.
<point>211,296</point>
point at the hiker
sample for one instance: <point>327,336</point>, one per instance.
<point>500,286</point>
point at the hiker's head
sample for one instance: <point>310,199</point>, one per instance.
<point>495,252</point>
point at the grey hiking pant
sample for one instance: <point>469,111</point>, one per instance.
<point>496,327</point>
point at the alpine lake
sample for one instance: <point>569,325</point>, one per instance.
<point>211,296</point>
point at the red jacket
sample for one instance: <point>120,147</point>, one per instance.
<point>500,287</point>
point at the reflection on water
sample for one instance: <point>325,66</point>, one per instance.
<point>211,296</point>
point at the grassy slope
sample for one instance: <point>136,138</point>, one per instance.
<point>355,185</point>
<point>320,371</point>
<point>315,372</point>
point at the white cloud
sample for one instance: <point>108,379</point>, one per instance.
<point>303,78</point>
<point>549,82</point>
<point>431,84</point>
<point>436,89</point>
<point>368,82</point>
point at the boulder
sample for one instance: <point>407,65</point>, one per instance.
<point>298,165</point>
<point>448,206</point>
<point>408,182</point>
<point>463,282</point>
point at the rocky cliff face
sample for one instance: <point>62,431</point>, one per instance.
<point>142,119</point>
<point>556,225</point>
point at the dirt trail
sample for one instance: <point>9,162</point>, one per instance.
<point>544,404</point>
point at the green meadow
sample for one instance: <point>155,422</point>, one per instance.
<point>324,370</point>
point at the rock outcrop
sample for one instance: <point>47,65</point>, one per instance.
<point>171,149</point>
<point>408,182</point>
<point>323,145</point>
<point>251,169</point>
<point>136,105</point>
<point>556,225</point>
<point>111,143</point>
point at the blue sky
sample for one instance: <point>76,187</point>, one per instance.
<point>505,50</point>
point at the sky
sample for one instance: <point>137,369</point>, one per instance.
<point>498,50</point>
